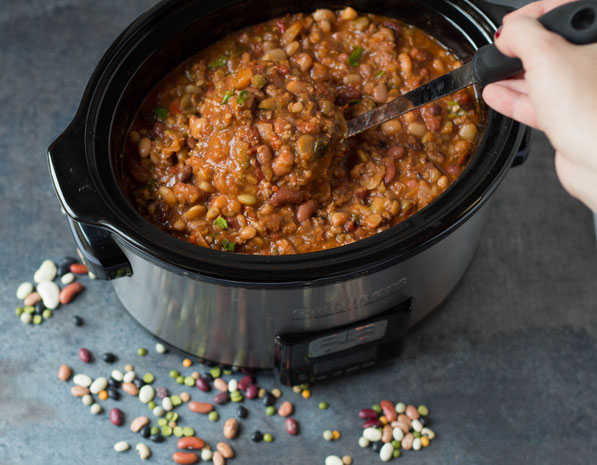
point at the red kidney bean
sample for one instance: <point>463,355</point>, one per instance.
<point>252,391</point>
<point>201,407</point>
<point>305,210</point>
<point>222,398</point>
<point>78,268</point>
<point>388,409</point>
<point>367,414</point>
<point>286,195</point>
<point>291,426</point>
<point>390,171</point>
<point>185,457</point>
<point>191,442</point>
<point>371,423</point>
<point>202,385</point>
<point>85,355</point>
<point>69,292</point>
<point>116,417</point>
<point>245,382</point>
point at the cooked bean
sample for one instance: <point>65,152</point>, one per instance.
<point>247,199</point>
<point>285,196</point>
<point>144,147</point>
<point>392,127</point>
<point>468,131</point>
<point>380,93</point>
<point>348,14</point>
<point>304,61</point>
<point>305,210</point>
<point>276,54</point>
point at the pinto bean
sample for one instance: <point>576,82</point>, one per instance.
<point>285,196</point>
<point>282,165</point>
<point>306,210</point>
<point>186,193</point>
<point>380,93</point>
<point>432,117</point>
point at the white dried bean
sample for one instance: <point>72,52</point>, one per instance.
<point>67,278</point>
<point>158,411</point>
<point>129,376</point>
<point>167,404</point>
<point>146,393</point>
<point>428,432</point>
<point>160,348</point>
<point>95,409</point>
<point>143,451</point>
<point>121,446</point>
<point>400,407</point>
<point>82,380</point>
<point>398,434</point>
<point>363,442</point>
<point>98,385</point>
<point>386,451</point>
<point>232,385</point>
<point>50,294</point>
<point>416,426</point>
<point>24,290</point>
<point>46,272</point>
<point>372,434</point>
<point>206,454</point>
<point>117,375</point>
<point>87,399</point>
<point>417,444</point>
<point>26,318</point>
<point>333,460</point>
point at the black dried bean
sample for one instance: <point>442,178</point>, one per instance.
<point>376,446</point>
<point>138,382</point>
<point>113,383</point>
<point>242,412</point>
<point>113,393</point>
<point>156,438</point>
<point>109,357</point>
<point>39,308</point>
<point>269,399</point>
<point>77,320</point>
<point>145,431</point>
<point>256,436</point>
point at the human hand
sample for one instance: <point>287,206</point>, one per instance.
<point>557,94</point>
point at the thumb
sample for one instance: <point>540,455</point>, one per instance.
<point>526,38</point>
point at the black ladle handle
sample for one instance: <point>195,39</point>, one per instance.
<point>576,22</point>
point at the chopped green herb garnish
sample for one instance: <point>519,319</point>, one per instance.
<point>354,102</point>
<point>355,56</point>
<point>228,245</point>
<point>241,97</point>
<point>219,61</point>
<point>379,74</point>
<point>161,113</point>
<point>221,222</point>
<point>227,95</point>
<point>321,146</point>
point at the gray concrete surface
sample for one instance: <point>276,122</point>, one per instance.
<point>508,365</point>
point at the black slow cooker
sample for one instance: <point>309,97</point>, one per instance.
<point>311,315</point>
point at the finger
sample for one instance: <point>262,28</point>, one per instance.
<point>579,182</point>
<point>518,85</point>
<point>535,9</point>
<point>527,39</point>
<point>510,103</point>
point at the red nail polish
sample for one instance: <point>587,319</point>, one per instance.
<point>498,32</point>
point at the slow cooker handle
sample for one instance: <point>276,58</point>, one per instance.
<point>86,212</point>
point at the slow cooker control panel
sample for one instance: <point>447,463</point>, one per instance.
<point>306,357</point>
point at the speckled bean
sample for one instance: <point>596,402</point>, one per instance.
<point>412,412</point>
<point>218,459</point>
<point>407,441</point>
<point>225,449</point>
<point>79,391</point>
<point>32,299</point>
<point>231,428</point>
<point>221,385</point>
<point>285,409</point>
<point>130,388</point>
<point>386,434</point>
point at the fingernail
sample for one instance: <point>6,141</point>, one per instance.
<point>498,32</point>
